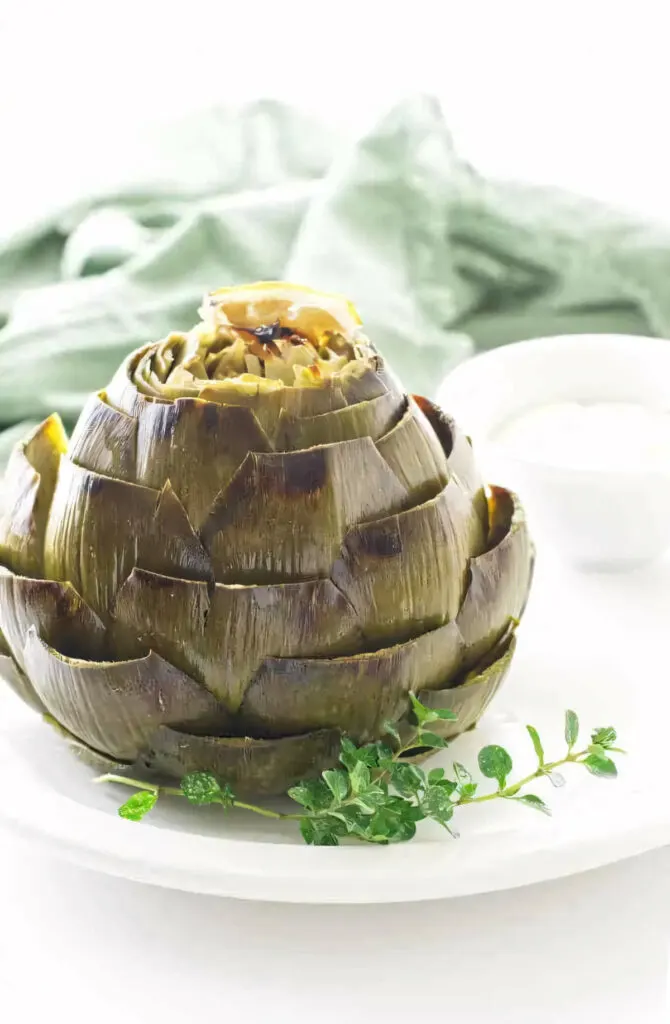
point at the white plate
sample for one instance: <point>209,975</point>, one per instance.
<point>591,643</point>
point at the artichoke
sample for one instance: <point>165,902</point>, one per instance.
<point>254,543</point>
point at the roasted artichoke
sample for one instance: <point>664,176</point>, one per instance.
<point>253,543</point>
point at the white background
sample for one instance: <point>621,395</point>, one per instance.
<point>575,94</point>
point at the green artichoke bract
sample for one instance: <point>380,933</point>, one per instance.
<point>253,543</point>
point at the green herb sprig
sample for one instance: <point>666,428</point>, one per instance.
<point>378,795</point>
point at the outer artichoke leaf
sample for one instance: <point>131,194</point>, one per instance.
<point>115,707</point>
<point>357,694</point>
<point>198,446</point>
<point>29,484</point>
<point>171,544</point>
<point>415,455</point>
<point>407,573</point>
<point>220,635</point>
<point>469,700</point>
<point>460,456</point>
<point>105,439</point>
<point>283,516</point>
<point>100,529</point>
<point>19,683</point>
<point>252,767</point>
<point>500,578</point>
<point>366,419</point>
<point>57,612</point>
<point>87,755</point>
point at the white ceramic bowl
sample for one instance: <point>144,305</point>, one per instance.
<point>600,519</point>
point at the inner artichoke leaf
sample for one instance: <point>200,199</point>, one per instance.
<point>370,382</point>
<point>135,384</point>
<point>122,392</point>
<point>19,683</point>
<point>283,516</point>
<point>220,635</point>
<point>100,529</point>
<point>115,707</point>
<point>57,612</point>
<point>105,440</point>
<point>269,405</point>
<point>357,694</point>
<point>470,699</point>
<point>28,486</point>
<point>366,419</point>
<point>500,578</point>
<point>415,454</point>
<point>407,573</point>
<point>460,456</point>
<point>252,767</point>
<point>198,446</point>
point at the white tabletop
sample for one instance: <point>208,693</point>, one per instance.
<point>589,949</point>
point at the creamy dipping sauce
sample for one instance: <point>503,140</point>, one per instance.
<point>590,435</point>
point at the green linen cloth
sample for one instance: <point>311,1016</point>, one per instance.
<point>439,261</point>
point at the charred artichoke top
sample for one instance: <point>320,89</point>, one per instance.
<point>253,543</point>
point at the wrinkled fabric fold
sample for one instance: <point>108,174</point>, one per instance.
<point>439,260</point>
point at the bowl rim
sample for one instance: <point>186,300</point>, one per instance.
<point>554,343</point>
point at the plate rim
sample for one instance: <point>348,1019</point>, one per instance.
<point>294,873</point>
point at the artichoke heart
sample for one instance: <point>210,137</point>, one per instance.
<point>254,543</point>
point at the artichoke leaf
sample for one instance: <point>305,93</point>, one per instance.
<point>500,578</point>
<point>357,694</point>
<point>57,612</point>
<point>317,401</point>
<point>414,453</point>
<point>283,516</point>
<point>122,392</point>
<point>220,635</point>
<point>252,767</point>
<point>460,456</point>
<point>268,406</point>
<point>366,419</point>
<point>170,543</point>
<point>29,485</point>
<point>87,755</point>
<point>372,382</point>
<point>100,529</point>
<point>407,573</point>
<point>105,440</point>
<point>198,446</point>
<point>115,707</point>
<point>292,403</point>
<point>265,406</point>
<point>470,699</point>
